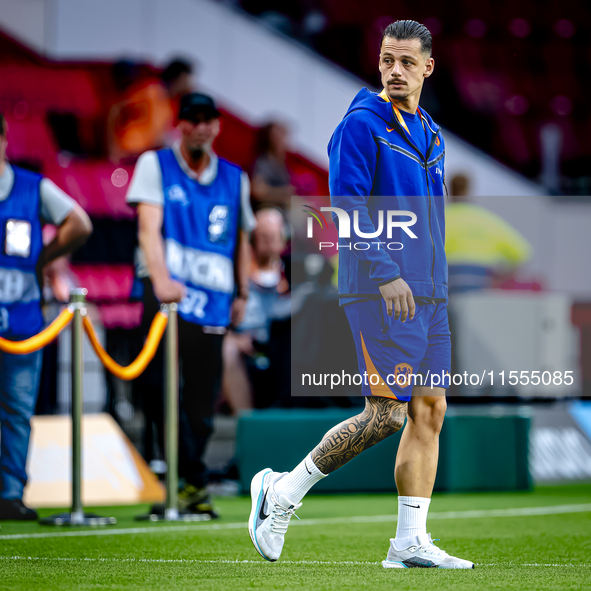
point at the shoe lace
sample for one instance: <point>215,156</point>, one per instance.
<point>280,517</point>
<point>430,548</point>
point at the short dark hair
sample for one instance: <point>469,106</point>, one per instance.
<point>2,125</point>
<point>174,69</point>
<point>402,30</point>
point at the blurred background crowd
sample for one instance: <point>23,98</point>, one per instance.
<point>509,90</point>
<point>510,76</point>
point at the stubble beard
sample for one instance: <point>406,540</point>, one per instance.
<point>398,95</point>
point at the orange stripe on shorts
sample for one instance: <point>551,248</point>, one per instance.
<point>381,389</point>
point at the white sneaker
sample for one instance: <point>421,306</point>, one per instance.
<point>269,516</point>
<point>423,553</point>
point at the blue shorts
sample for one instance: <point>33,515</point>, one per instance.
<point>398,355</point>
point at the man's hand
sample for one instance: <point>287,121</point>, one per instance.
<point>242,341</point>
<point>150,217</point>
<point>168,291</point>
<point>397,295</point>
<point>238,309</point>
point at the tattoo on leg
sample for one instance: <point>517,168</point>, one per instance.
<point>381,418</point>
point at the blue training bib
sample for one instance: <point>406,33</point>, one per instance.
<point>22,243</point>
<point>200,229</point>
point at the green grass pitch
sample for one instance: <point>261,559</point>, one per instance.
<point>338,544</point>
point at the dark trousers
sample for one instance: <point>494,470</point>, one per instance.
<point>200,372</point>
<point>19,388</point>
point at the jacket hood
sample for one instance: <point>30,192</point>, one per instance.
<point>372,102</point>
<point>366,100</point>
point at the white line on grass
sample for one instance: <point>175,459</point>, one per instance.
<point>259,562</point>
<point>183,560</point>
<point>521,512</point>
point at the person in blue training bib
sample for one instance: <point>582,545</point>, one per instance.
<point>386,163</point>
<point>194,217</point>
<point>27,201</point>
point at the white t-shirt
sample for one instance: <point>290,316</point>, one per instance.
<point>146,183</point>
<point>55,205</point>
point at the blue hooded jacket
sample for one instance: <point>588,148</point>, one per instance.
<point>376,166</point>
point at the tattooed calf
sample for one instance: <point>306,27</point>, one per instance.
<point>381,418</point>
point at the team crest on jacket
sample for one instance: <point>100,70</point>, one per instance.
<point>218,223</point>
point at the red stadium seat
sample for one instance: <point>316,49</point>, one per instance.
<point>70,90</point>
<point>58,89</point>
<point>30,139</point>
<point>104,282</point>
<point>91,184</point>
<point>109,287</point>
<point>236,141</point>
<point>123,315</point>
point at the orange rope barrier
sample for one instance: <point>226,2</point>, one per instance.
<point>39,340</point>
<point>132,371</point>
<point>136,367</point>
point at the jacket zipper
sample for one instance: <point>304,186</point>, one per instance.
<point>431,233</point>
<point>425,160</point>
<point>427,174</point>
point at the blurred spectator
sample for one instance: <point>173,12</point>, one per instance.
<point>271,179</point>
<point>480,246</point>
<point>245,349</point>
<point>147,108</point>
<point>194,217</point>
<point>177,78</point>
<point>27,201</point>
<point>459,185</point>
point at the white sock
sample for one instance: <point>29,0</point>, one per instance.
<point>412,518</point>
<point>299,481</point>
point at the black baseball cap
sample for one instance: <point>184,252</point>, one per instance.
<point>194,103</point>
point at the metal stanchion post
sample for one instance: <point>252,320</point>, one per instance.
<point>170,511</point>
<point>77,515</point>
<point>77,298</point>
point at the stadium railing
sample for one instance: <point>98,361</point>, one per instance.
<point>77,313</point>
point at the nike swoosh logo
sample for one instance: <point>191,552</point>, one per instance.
<point>388,129</point>
<point>419,562</point>
<point>262,515</point>
<point>413,506</point>
<point>308,471</point>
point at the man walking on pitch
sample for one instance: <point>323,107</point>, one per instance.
<point>385,155</point>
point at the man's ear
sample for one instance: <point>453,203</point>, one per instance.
<point>429,67</point>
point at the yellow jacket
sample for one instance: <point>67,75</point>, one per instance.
<point>476,236</point>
